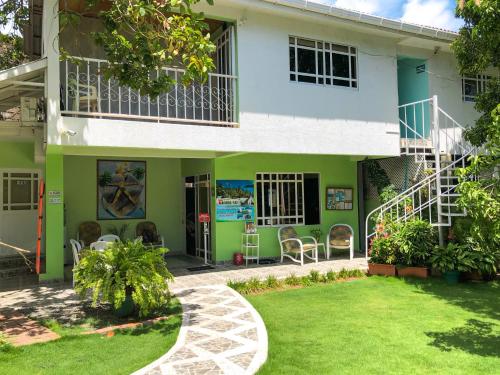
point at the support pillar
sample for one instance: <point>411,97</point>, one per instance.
<point>54,214</point>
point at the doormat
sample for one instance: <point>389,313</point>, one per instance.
<point>200,268</point>
<point>267,261</point>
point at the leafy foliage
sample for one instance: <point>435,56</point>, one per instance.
<point>477,48</point>
<point>377,175</point>
<point>414,241</point>
<point>383,250</point>
<point>11,51</point>
<point>125,268</point>
<point>140,37</point>
<point>454,257</point>
<point>14,14</point>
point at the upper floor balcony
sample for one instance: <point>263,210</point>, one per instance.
<point>86,92</point>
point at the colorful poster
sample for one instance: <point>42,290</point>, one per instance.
<point>234,200</point>
<point>121,189</point>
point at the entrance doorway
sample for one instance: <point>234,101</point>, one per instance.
<point>197,193</point>
<point>18,209</point>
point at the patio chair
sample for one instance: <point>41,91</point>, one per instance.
<point>293,246</point>
<point>149,234</point>
<point>109,238</point>
<point>76,247</point>
<point>85,96</point>
<point>341,237</point>
<point>88,232</point>
<point>99,245</point>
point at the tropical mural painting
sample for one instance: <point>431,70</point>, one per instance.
<point>234,200</point>
<point>121,189</point>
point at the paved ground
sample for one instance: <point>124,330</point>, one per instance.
<point>221,333</point>
<point>19,330</point>
<point>222,274</point>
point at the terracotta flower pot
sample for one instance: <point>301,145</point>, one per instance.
<point>421,272</point>
<point>381,269</point>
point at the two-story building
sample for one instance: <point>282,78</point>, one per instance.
<point>302,93</point>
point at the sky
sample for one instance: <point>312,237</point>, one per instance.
<point>437,13</point>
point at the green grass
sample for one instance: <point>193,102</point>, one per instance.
<point>126,351</point>
<point>382,325</point>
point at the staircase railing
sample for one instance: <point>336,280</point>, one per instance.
<point>425,133</point>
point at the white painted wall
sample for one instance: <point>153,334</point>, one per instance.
<point>280,116</point>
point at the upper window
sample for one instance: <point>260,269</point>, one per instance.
<point>322,63</point>
<point>472,86</point>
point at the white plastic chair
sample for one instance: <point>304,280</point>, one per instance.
<point>341,237</point>
<point>109,238</point>
<point>293,246</point>
<point>99,245</point>
<point>76,247</point>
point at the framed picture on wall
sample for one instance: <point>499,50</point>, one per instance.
<point>338,198</point>
<point>121,189</point>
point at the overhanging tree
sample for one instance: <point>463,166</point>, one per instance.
<point>140,37</point>
<point>14,14</point>
<point>477,49</point>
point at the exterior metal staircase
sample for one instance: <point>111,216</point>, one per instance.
<point>435,140</point>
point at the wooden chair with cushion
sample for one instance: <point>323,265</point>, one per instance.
<point>293,246</point>
<point>340,237</point>
<point>150,236</point>
<point>88,232</point>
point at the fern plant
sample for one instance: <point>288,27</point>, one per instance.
<point>125,270</point>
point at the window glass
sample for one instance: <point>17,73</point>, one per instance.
<point>315,63</point>
<point>307,61</point>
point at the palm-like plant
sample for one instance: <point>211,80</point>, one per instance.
<point>125,270</point>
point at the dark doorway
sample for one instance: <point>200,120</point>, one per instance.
<point>312,209</point>
<point>190,216</point>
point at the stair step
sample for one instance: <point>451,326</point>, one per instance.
<point>8,273</point>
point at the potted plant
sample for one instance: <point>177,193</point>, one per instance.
<point>451,260</point>
<point>414,240</point>
<point>316,233</point>
<point>128,275</point>
<point>382,256</point>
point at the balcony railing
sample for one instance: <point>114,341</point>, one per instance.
<point>85,92</point>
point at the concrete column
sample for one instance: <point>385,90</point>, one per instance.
<point>54,214</point>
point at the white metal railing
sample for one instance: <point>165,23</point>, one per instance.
<point>427,130</point>
<point>86,92</point>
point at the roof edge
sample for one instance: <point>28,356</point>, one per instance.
<point>22,69</point>
<point>368,19</point>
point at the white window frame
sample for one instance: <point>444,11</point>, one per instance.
<point>481,81</point>
<point>6,175</point>
<point>276,178</point>
<point>292,42</point>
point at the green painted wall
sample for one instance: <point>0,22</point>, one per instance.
<point>164,203</point>
<point>412,87</point>
<point>18,155</point>
<point>54,215</point>
<point>338,171</point>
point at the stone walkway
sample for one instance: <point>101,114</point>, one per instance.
<point>221,333</point>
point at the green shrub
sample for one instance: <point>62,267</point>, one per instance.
<point>254,285</point>
<point>356,273</point>
<point>460,230</point>
<point>305,281</point>
<point>125,269</point>
<point>383,250</point>
<point>331,276</point>
<point>239,286</point>
<point>5,346</point>
<point>414,241</point>
<point>292,280</point>
<point>315,276</point>
<point>344,274</point>
<point>272,282</point>
<point>453,257</point>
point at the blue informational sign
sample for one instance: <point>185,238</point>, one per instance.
<point>234,200</point>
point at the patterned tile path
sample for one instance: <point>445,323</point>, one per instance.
<point>221,333</point>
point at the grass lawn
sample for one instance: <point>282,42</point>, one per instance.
<point>74,353</point>
<point>383,325</point>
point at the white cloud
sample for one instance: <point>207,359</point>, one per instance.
<point>437,13</point>
<point>366,6</point>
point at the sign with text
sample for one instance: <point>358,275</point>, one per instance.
<point>204,218</point>
<point>234,200</point>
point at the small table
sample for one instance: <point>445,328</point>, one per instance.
<point>250,247</point>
